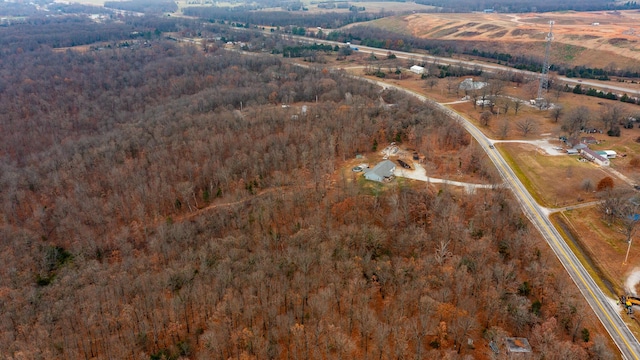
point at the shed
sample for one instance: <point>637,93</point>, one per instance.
<point>383,171</point>
<point>588,140</point>
<point>517,345</point>
<point>580,146</point>
<point>417,69</point>
<point>609,154</point>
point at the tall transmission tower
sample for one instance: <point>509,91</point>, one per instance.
<point>544,77</point>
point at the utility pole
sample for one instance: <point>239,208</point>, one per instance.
<point>544,76</point>
<point>626,257</point>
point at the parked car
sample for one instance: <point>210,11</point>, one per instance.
<point>404,164</point>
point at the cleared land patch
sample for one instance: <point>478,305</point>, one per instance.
<point>610,36</point>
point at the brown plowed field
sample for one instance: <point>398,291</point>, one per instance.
<point>596,39</point>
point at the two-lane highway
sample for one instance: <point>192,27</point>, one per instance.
<point>606,312</point>
<point>621,88</point>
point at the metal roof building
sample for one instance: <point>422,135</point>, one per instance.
<point>383,171</point>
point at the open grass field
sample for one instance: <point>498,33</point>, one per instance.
<point>557,180</point>
<point>596,39</point>
<point>605,244</point>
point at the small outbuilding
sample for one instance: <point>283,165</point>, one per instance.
<point>469,84</point>
<point>580,146</point>
<point>382,172</point>
<point>517,345</point>
<point>417,69</point>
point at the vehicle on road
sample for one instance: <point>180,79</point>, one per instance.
<point>491,146</point>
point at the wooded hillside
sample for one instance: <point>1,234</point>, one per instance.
<point>144,215</point>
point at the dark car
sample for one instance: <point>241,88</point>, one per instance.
<point>404,164</point>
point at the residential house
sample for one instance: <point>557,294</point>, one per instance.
<point>594,156</point>
<point>382,172</point>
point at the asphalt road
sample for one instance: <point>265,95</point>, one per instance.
<point>605,86</point>
<point>607,313</point>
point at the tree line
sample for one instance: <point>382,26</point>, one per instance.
<point>385,39</point>
<point>56,32</point>
<point>329,20</point>
<point>143,6</point>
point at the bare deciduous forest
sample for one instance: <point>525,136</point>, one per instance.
<point>144,215</point>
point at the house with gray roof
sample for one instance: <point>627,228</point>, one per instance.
<point>382,172</point>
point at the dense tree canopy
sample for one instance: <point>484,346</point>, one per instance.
<point>158,201</point>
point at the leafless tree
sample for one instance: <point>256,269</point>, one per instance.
<point>504,128</point>
<point>527,125</point>
<point>576,120</point>
<point>517,104</point>
<point>531,88</point>
<point>587,185</point>
<point>451,85</point>
<point>556,112</point>
<point>611,115</point>
<point>485,117</point>
<point>611,203</point>
<point>505,105</point>
<point>473,97</point>
<point>557,87</point>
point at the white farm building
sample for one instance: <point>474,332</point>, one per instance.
<point>609,154</point>
<point>417,69</point>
